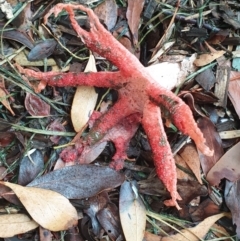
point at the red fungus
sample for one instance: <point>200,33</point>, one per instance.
<point>140,97</point>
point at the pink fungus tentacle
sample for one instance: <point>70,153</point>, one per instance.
<point>181,115</point>
<point>162,155</point>
<point>116,114</point>
<point>98,39</point>
<point>113,80</point>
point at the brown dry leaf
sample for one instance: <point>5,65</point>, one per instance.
<point>190,156</point>
<point>205,59</point>
<point>45,234</point>
<point>197,232</point>
<point>49,209</point>
<point>194,234</point>
<point>36,106</point>
<point>110,221</point>
<point>134,11</point>
<point>219,37</point>
<point>231,195</point>
<point>226,167</point>
<point>6,138</point>
<point>213,141</point>
<point>220,232</point>
<point>4,101</point>
<point>205,209</point>
<point>84,100</point>
<point>181,164</point>
<point>234,90</point>
<point>13,224</point>
<point>107,11</point>
<point>132,212</point>
<point>189,190</point>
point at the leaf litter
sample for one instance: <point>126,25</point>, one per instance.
<point>85,181</point>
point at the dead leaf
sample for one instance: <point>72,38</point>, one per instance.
<point>170,75</point>
<point>30,166</point>
<point>84,100</point>
<point>56,125</point>
<point>221,232</point>
<point>6,9</point>
<point>151,237</point>
<point>221,86</point>
<point>204,210</point>
<point>161,51</point>
<point>194,234</point>
<point>3,172</point>
<point>229,134</point>
<point>13,224</point>
<point>19,37</point>
<point>181,164</point>
<point>96,204</point>
<point>4,101</point>
<point>190,156</point>
<point>234,90</point>
<point>197,232</point>
<point>36,106</point>
<point>213,141</point>
<point>134,11</point>
<point>110,221</point>
<point>80,181</point>
<point>218,37</point>
<point>166,74</point>
<point>45,234</point>
<point>6,138</point>
<point>206,79</point>
<point>91,153</point>
<point>205,59</point>
<point>49,209</point>
<point>132,212</point>
<point>226,167</point>
<point>107,11</point>
<point>42,50</point>
<point>22,60</point>
<point>190,189</point>
<point>232,194</point>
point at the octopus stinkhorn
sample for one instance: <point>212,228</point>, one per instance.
<point>140,98</point>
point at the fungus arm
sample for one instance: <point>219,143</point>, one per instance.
<point>98,79</point>
<point>181,115</point>
<point>98,39</point>
<point>117,113</point>
<point>162,155</point>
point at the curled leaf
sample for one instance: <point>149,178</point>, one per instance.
<point>36,106</point>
